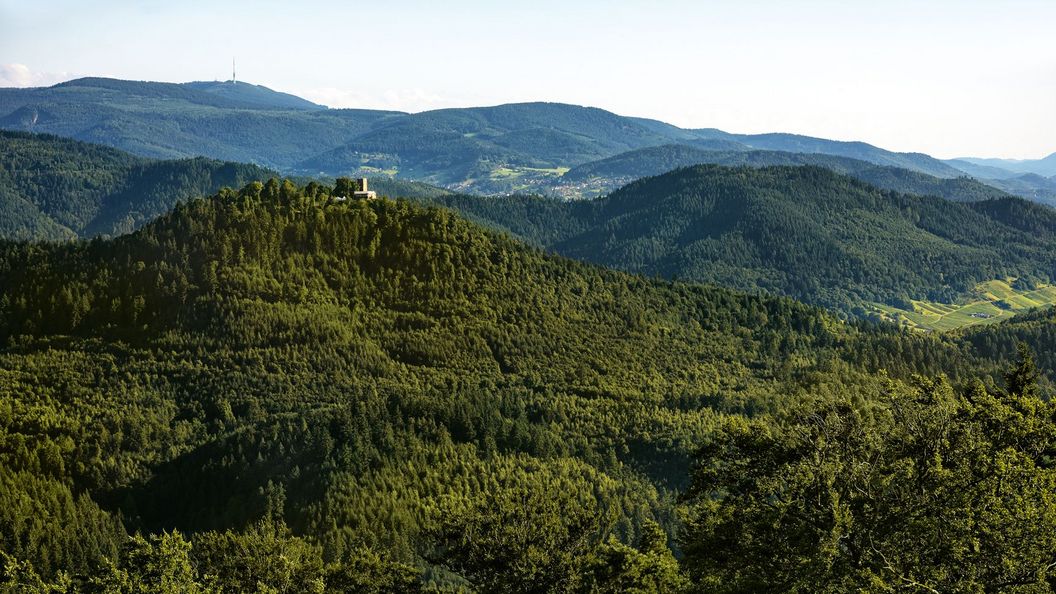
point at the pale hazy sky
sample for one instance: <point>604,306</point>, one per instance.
<point>946,77</point>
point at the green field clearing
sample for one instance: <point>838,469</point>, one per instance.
<point>517,172</point>
<point>993,301</point>
<point>368,170</point>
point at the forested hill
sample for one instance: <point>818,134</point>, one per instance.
<point>173,121</point>
<point>800,231</point>
<point>253,95</point>
<point>601,177</point>
<point>56,188</point>
<point>368,373</point>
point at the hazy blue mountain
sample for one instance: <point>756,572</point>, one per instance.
<point>1045,167</point>
<point>165,120</point>
<point>255,95</point>
<point>719,144</point>
<point>980,171</point>
<point>464,147</point>
<point>507,148</point>
<point>1031,186</point>
<point>451,145</point>
<point>665,129</point>
<point>795,143</point>
<point>214,94</point>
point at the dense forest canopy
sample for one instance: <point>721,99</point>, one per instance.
<point>800,231</point>
<point>272,390</point>
<point>601,177</point>
<point>55,188</point>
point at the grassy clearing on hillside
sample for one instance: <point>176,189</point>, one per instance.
<point>994,301</point>
<point>368,170</point>
<point>507,172</point>
<point>506,179</point>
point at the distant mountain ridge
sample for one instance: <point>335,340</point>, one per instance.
<point>1045,167</point>
<point>499,149</point>
<point>795,143</point>
<point>251,94</point>
<point>172,121</point>
<point>226,94</point>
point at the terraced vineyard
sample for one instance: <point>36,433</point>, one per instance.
<point>996,300</point>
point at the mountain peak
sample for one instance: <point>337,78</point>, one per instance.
<point>224,94</point>
<point>253,94</point>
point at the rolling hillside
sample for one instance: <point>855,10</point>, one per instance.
<point>1031,186</point>
<point>800,231</point>
<point>55,188</point>
<point>1045,167</point>
<point>991,302</point>
<point>601,177</point>
<point>252,96</point>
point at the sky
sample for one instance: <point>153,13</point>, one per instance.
<point>950,78</point>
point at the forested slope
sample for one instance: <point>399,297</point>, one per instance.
<point>55,188</point>
<point>381,377</point>
<point>606,175</point>
<point>800,231</point>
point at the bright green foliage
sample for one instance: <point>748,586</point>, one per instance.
<point>40,516</point>
<point>544,541</point>
<point>266,559</point>
<point>159,564</point>
<point>520,542</point>
<point>367,572</point>
<point>266,556</point>
<point>650,569</point>
<point>930,490</point>
<point>20,577</point>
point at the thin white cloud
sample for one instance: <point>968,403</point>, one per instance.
<point>20,75</point>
